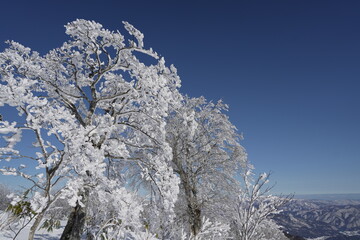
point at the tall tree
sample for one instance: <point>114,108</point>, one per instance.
<point>206,157</point>
<point>90,102</point>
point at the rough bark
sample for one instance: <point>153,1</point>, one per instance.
<point>75,224</point>
<point>195,215</point>
<point>193,208</point>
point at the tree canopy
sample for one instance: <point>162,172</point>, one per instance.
<point>100,115</point>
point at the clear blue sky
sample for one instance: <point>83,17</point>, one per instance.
<point>288,69</point>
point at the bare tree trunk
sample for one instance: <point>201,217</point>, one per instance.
<point>75,224</point>
<point>35,225</point>
<point>193,208</point>
<point>189,185</point>
<point>195,218</point>
<point>76,221</point>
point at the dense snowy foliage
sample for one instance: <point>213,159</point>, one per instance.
<point>115,145</point>
<point>206,156</point>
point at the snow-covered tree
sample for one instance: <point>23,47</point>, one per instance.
<point>104,115</point>
<point>254,207</point>
<point>206,157</point>
<point>90,103</point>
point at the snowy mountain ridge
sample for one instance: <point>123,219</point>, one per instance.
<point>322,219</point>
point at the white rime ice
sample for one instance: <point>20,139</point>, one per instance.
<point>112,136</point>
<point>88,103</point>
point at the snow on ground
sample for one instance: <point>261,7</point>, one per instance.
<point>41,234</point>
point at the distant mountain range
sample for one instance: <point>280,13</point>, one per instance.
<point>349,196</point>
<point>322,217</point>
